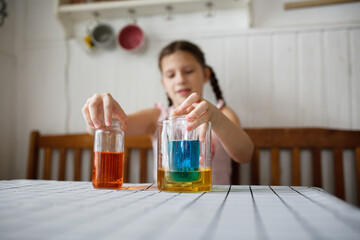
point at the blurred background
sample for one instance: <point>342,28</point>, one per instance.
<point>277,66</point>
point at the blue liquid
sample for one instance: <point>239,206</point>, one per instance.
<point>184,160</point>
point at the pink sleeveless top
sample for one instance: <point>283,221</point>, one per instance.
<point>221,161</point>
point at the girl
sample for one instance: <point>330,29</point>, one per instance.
<point>184,73</point>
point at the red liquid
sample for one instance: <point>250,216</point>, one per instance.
<point>108,170</point>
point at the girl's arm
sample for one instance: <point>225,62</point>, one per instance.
<point>234,139</point>
<point>142,122</point>
<point>224,122</point>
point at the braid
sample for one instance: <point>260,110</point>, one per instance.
<point>169,100</point>
<point>215,85</point>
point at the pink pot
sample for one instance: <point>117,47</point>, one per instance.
<point>131,37</point>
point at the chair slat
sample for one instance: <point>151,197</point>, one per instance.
<point>91,159</point>
<point>62,164</point>
<point>235,174</point>
<point>33,157</point>
<point>77,164</point>
<point>295,157</point>
<point>275,166</point>
<point>143,165</point>
<point>357,163</point>
<point>143,143</point>
<point>47,164</point>
<point>339,173</point>
<point>127,153</point>
<point>317,173</point>
<point>255,167</point>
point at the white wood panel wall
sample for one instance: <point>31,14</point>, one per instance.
<point>354,47</point>
<point>7,91</point>
<point>337,78</point>
<point>310,77</point>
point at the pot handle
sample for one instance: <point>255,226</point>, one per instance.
<point>132,13</point>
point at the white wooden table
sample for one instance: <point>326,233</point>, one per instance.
<point>35,209</point>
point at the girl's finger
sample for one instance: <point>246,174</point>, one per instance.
<point>108,103</point>
<point>198,121</point>
<point>191,108</point>
<point>203,129</point>
<point>94,104</point>
<point>198,111</point>
<point>86,114</point>
<point>119,113</point>
<point>193,98</point>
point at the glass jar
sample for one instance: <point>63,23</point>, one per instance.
<point>184,157</point>
<point>108,157</point>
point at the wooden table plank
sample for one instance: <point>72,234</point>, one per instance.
<point>315,213</point>
<point>60,210</point>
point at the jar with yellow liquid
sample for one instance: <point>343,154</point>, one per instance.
<point>184,157</point>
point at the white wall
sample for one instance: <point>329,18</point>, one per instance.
<point>7,92</point>
<point>272,14</point>
<point>273,75</point>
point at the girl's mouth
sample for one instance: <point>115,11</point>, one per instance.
<point>184,92</point>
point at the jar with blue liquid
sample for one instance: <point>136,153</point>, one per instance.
<point>184,157</point>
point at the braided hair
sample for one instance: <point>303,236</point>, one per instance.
<point>199,56</point>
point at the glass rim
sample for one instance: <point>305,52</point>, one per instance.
<point>115,125</point>
<point>173,118</point>
<point>116,122</point>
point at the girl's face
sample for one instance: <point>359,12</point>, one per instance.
<point>182,75</point>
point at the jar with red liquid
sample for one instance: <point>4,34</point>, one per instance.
<point>108,157</point>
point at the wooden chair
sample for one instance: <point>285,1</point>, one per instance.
<point>143,144</point>
<point>78,143</point>
<point>296,139</point>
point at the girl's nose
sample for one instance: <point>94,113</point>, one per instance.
<point>181,78</point>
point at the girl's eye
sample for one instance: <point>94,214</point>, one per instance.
<point>189,71</point>
<point>170,75</point>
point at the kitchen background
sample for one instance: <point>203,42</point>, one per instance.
<point>276,67</point>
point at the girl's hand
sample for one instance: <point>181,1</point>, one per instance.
<point>100,109</point>
<point>197,109</point>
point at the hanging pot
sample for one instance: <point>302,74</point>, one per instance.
<point>131,38</point>
<point>103,36</point>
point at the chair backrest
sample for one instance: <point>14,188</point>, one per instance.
<point>143,144</point>
<point>297,139</point>
<point>78,143</point>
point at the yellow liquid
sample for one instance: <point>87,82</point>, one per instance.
<point>201,184</point>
